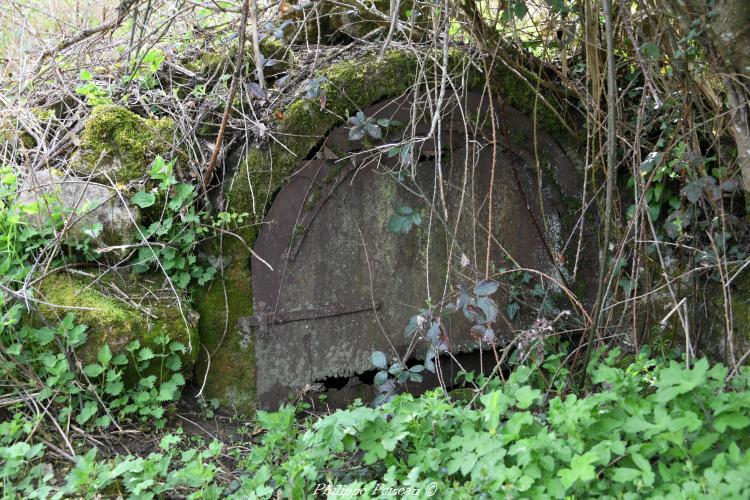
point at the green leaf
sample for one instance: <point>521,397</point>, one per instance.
<point>89,410</point>
<point>93,370</point>
<point>145,354</point>
<point>581,468</point>
<point>693,191</point>
<point>525,396</point>
<point>658,190</point>
<point>183,195</point>
<point>379,360</point>
<point>625,475</point>
<point>105,355</point>
<point>404,210</point>
<point>650,50</point>
<point>400,224</point>
<point>167,392</point>
<point>94,230</point>
<point>512,309</point>
<point>14,349</point>
<point>114,388</point>
<point>488,307</point>
<point>143,199</point>
<point>486,287</point>
<point>733,420</point>
<point>676,380</point>
<point>380,378</point>
<point>120,360</point>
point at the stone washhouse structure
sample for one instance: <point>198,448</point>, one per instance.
<point>340,284</point>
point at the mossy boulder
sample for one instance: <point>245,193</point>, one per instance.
<point>119,144</point>
<point>109,310</point>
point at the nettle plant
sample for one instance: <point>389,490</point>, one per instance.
<point>100,391</point>
<point>159,380</point>
<point>172,239</point>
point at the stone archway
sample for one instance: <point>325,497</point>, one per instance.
<point>343,285</point>
<point>228,360</point>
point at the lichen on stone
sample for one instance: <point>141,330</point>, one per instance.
<point>117,141</point>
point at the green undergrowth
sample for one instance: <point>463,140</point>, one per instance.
<point>645,429</point>
<point>650,429</point>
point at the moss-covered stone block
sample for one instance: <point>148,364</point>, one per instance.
<point>122,144</point>
<point>114,322</point>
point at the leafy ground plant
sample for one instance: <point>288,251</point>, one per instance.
<point>649,429</point>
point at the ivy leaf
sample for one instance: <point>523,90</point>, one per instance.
<point>403,210</point>
<point>512,309</point>
<point>143,199</point>
<point>693,192</point>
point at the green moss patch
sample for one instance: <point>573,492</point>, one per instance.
<point>122,143</point>
<point>113,322</point>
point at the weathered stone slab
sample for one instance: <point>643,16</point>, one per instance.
<point>87,209</point>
